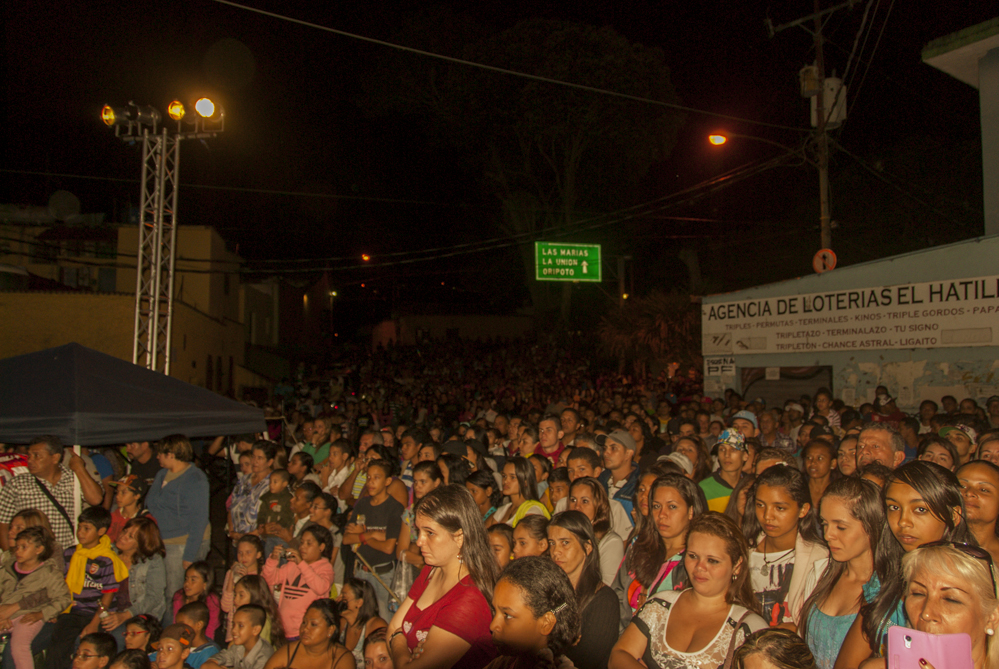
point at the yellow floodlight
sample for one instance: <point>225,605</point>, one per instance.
<point>108,115</point>
<point>176,110</point>
<point>717,140</point>
<point>205,108</point>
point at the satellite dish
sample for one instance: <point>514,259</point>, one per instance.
<point>63,205</point>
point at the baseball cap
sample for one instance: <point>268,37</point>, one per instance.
<point>969,432</point>
<point>680,460</point>
<point>747,415</point>
<point>733,439</point>
<point>794,406</point>
<point>178,631</point>
<point>620,436</point>
<point>135,483</point>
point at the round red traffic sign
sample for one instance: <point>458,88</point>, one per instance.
<point>824,260</point>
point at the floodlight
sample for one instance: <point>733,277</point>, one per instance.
<point>176,110</point>
<point>717,140</point>
<point>145,115</point>
<point>205,108</point>
<point>113,115</point>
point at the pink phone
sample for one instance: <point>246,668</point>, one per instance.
<point>944,651</point>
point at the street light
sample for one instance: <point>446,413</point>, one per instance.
<point>158,213</point>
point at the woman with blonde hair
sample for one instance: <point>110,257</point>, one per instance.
<point>950,588</point>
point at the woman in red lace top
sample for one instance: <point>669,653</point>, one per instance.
<point>444,621</point>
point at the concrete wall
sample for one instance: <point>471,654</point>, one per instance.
<point>37,321</point>
<point>34,321</point>
<point>205,274</point>
<point>912,374</point>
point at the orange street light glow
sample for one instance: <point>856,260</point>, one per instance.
<point>717,140</point>
<point>108,115</point>
<point>365,257</point>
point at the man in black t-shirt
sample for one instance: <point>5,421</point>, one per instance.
<point>142,461</point>
<point>373,531</point>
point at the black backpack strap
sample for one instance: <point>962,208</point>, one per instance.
<point>55,503</point>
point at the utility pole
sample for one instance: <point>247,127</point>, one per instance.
<point>822,114</point>
<point>825,220</point>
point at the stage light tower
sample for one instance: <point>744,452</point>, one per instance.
<point>158,214</point>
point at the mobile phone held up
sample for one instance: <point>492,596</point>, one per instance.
<point>944,651</point>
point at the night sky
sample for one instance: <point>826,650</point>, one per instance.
<point>341,181</point>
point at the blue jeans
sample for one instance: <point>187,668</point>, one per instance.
<point>380,591</point>
<point>174,563</point>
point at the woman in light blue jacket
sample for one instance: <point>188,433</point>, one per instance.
<point>178,500</point>
<point>144,593</point>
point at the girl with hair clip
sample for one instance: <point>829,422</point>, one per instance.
<point>923,504</point>
<point>444,621</point>
<point>774,649</point>
<point>654,562</point>
<point>780,525</point>
<point>249,562</point>
<point>705,623</point>
<point>589,496</point>
<point>573,547</point>
<point>979,481</point>
<point>852,520</point>
<point>253,589</point>
<point>520,486</point>
<point>536,619</point>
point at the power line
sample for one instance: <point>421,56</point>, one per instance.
<point>240,189</point>
<point>623,215</point>
<point>856,93</point>
<point>502,70</point>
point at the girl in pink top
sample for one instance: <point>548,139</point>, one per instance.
<point>306,577</point>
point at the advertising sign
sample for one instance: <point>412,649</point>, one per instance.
<point>959,312</point>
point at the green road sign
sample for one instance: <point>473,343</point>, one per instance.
<point>567,262</point>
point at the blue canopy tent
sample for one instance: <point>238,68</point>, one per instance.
<point>90,398</point>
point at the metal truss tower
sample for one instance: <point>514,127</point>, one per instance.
<point>158,214</point>
<point>157,244</point>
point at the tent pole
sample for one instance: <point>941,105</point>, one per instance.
<point>77,494</point>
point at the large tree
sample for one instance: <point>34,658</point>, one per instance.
<point>549,154</point>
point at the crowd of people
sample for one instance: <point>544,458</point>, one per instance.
<point>415,513</point>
